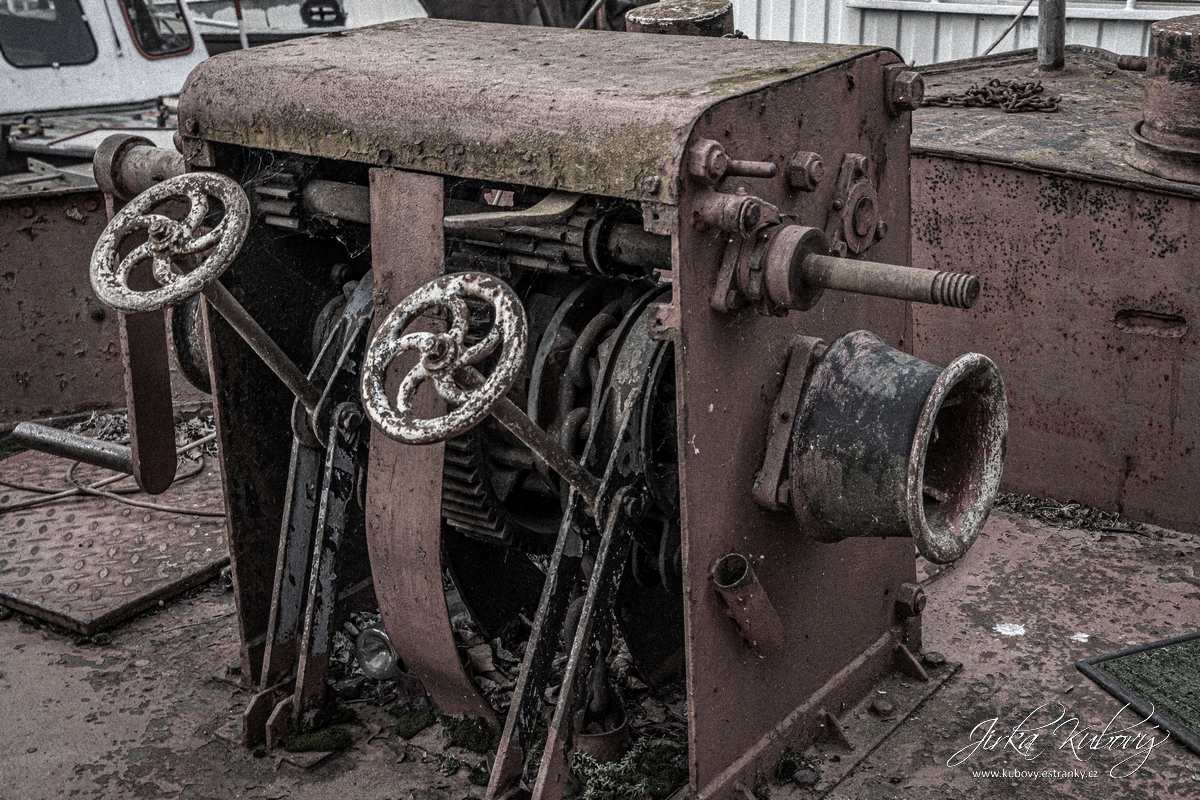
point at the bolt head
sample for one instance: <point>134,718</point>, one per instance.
<point>351,420</point>
<point>910,600</point>
<point>708,161</point>
<point>805,171</point>
<point>907,91</point>
<point>191,125</point>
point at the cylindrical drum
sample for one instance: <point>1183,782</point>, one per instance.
<point>885,444</point>
<point>682,18</point>
<point>1166,142</point>
<point>1172,111</point>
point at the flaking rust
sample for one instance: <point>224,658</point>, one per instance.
<point>1089,297</point>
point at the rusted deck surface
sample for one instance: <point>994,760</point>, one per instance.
<point>138,718</point>
<point>1089,134</point>
<point>88,562</point>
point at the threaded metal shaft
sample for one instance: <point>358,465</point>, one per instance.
<point>955,289</point>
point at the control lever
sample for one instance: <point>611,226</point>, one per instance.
<point>173,248</point>
<point>97,452</point>
<point>447,361</point>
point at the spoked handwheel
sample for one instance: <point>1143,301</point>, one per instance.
<point>172,246</point>
<point>448,363</point>
<point>446,360</point>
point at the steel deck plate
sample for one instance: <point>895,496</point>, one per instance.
<point>87,563</point>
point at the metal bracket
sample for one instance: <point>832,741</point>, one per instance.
<point>853,224</point>
<point>555,207</point>
<point>771,483</point>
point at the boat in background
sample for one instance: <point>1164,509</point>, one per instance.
<point>224,23</point>
<point>72,72</point>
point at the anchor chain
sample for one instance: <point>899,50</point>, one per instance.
<point>1011,97</point>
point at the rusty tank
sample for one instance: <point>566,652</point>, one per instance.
<point>1083,225</point>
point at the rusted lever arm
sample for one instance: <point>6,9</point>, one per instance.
<point>263,345</point>
<point>547,448</point>
<point>97,452</point>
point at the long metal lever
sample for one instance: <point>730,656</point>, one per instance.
<point>263,345</point>
<point>547,448</point>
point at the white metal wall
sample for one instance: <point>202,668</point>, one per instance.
<point>925,31</point>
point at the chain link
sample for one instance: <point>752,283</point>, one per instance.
<point>1011,97</point>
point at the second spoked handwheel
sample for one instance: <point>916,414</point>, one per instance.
<point>447,360</point>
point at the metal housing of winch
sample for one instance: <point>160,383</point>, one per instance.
<point>691,429</point>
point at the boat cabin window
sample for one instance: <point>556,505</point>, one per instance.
<point>45,33</point>
<point>157,26</point>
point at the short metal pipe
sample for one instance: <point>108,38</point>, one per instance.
<point>632,245</point>
<point>1052,33</point>
<point>746,602</point>
<point>547,448</point>
<point>346,201</point>
<point>262,344</point>
<point>126,165</point>
<point>954,289</point>
<point>97,452</point>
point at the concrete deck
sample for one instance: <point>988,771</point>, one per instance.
<point>139,717</point>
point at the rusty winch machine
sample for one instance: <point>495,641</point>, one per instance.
<point>605,331</point>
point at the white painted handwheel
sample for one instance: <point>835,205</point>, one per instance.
<point>171,245</point>
<point>447,360</point>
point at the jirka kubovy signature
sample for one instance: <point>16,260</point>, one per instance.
<point>1029,739</point>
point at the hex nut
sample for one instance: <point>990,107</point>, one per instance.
<point>907,91</point>
<point>805,171</point>
<point>708,161</point>
<point>910,600</point>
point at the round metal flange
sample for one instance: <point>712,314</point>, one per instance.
<point>957,457</point>
<point>107,160</point>
<point>784,268</point>
<point>446,359</point>
<point>1164,161</point>
<point>171,244</point>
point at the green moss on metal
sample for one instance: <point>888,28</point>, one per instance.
<point>578,159</point>
<point>471,734</point>
<point>322,741</point>
<point>9,447</point>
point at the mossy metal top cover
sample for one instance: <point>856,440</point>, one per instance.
<point>583,111</point>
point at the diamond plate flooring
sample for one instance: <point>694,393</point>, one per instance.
<point>88,562</point>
